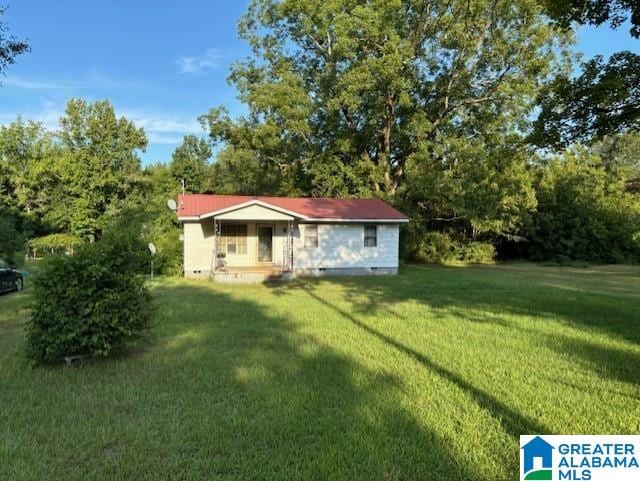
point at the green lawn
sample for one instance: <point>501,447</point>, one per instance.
<point>432,374</point>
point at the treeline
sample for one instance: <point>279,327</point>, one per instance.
<point>64,188</point>
<point>580,204</point>
<point>465,115</point>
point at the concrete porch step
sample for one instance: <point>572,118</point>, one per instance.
<point>252,275</point>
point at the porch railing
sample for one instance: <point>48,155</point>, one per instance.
<point>287,254</point>
<point>216,262</point>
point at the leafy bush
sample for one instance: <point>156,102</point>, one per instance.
<point>433,247</point>
<point>439,247</point>
<point>92,303</point>
<point>160,227</point>
<point>584,214</point>
<point>157,223</point>
<point>168,261</point>
<point>476,252</point>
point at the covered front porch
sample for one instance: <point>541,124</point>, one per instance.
<point>253,243</point>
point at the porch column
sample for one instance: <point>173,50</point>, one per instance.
<point>289,253</point>
<point>216,243</point>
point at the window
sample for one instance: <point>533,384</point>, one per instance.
<point>370,236</point>
<point>233,239</point>
<point>311,236</point>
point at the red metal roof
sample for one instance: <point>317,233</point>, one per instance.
<point>194,205</point>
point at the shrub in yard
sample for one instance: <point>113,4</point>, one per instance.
<point>433,247</point>
<point>91,303</point>
<point>584,213</point>
<point>439,247</point>
<point>476,252</point>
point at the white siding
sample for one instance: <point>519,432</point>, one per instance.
<point>198,247</point>
<point>342,246</point>
<point>279,240</point>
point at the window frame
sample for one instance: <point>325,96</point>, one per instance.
<point>368,237</point>
<point>315,238</point>
<point>231,234</point>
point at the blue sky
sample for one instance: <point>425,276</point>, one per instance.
<point>160,63</point>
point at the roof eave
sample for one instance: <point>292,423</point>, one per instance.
<point>313,219</point>
<point>282,210</point>
<point>360,220</point>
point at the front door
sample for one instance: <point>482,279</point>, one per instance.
<point>265,243</point>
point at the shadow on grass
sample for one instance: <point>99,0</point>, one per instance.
<point>278,404</point>
<point>231,390</point>
<point>489,293</point>
<point>512,421</point>
<point>607,361</point>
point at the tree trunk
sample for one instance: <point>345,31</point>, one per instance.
<point>384,160</point>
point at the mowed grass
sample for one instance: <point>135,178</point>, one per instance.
<point>429,375</point>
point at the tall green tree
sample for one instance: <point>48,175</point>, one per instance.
<point>603,100</point>
<point>99,166</point>
<point>389,98</point>
<point>160,224</point>
<point>27,154</point>
<point>596,12</point>
<point>620,155</point>
<point>81,179</point>
<point>10,46</point>
<point>239,171</point>
<point>13,234</point>
<point>190,163</point>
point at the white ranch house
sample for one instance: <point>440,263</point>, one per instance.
<point>246,238</point>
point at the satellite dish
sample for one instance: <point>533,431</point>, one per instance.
<point>152,249</point>
<point>172,204</point>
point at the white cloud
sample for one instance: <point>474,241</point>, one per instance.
<point>166,124</point>
<point>91,80</point>
<point>163,122</point>
<point>201,63</point>
<point>34,84</point>
<point>160,127</point>
<point>48,117</point>
<point>161,138</point>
